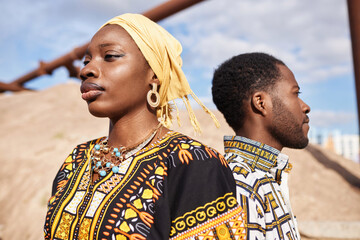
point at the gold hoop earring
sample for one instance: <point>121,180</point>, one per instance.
<point>152,103</point>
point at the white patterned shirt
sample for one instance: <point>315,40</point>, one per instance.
<point>260,172</point>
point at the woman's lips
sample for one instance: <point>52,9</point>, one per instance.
<point>90,91</point>
<point>91,95</point>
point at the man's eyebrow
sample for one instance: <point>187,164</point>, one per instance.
<point>296,86</point>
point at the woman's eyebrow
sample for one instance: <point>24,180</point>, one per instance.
<point>106,45</point>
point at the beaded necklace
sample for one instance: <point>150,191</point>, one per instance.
<point>102,164</point>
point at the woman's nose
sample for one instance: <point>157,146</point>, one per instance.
<point>88,71</point>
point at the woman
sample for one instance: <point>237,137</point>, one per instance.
<point>142,181</point>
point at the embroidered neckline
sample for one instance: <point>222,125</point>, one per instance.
<point>166,137</point>
<point>257,155</point>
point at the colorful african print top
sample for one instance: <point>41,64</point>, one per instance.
<point>260,173</point>
<point>174,189</point>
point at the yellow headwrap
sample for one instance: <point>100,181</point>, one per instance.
<point>162,52</point>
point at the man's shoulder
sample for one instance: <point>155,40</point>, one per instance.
<point>241,170</point>
<point>244,175</point>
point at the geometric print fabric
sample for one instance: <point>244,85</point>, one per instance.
<point>138,201</point>
<point>258,190</point>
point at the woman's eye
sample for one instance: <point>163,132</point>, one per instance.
<point>113,56</point>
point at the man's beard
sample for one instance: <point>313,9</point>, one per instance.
<point>285,128</point>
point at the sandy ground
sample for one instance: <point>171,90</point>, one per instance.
<point>39,129</point>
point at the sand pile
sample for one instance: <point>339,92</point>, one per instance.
<point>39,129</point>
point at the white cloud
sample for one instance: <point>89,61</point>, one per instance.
<point>327,119</point>
<point>311,37</point>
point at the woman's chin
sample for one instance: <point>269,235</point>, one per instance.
<point>96,112</point>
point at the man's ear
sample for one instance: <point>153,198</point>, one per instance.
<point>261,103</point>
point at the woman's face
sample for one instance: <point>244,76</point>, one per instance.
<point>115,76</point>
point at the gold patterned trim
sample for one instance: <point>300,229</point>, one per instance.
<point>266,157</point>
<point>205,217</point>
<point>213,223</point>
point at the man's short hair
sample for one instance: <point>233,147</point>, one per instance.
<point>238,78</point>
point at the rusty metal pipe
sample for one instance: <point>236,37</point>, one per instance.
<point>49,67</point>
<point>11,87</point>
<point>169,8</point>
<point>156,14</point>
<point>354,22</point>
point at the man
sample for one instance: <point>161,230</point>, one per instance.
<point>259,98</point>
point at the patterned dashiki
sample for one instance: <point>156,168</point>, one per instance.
<point>260,173</point>
<point>176,188</point>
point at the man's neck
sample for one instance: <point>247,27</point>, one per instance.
<point>254,153</point>
<point>259,135</point>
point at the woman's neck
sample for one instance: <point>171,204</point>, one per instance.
<point>130,130</point>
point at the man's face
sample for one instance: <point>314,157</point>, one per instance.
<point>290,123</point>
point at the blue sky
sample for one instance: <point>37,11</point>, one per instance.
<point>311,37</point>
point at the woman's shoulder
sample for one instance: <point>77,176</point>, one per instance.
<point>188,150</point>
<point>177,137</point>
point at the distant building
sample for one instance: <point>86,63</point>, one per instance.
<point>346,145</point>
